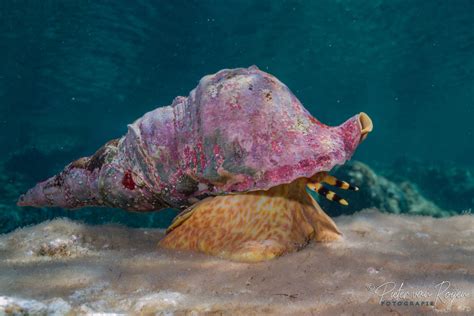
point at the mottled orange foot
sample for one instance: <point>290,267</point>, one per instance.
<point>252,226</point>
<point>254,251</point>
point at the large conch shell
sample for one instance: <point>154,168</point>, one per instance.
<point>239,133</point>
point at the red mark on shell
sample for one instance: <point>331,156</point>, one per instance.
<point>202,157</point>
<point>127,180</point>
<point>194,159</point>
<point>305,163</point>
<point>315,121</point>
<point>283,172</point>
<point>235,106</point>
<point>276,147</point>
<point>216,149</point>
<point>190,159</point>
<point>217,155</point>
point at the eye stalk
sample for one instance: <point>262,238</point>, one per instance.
<point>315,185</point>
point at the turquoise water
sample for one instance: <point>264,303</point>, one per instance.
<point>74,73</point>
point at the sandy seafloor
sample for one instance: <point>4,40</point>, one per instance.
<point>64,267</point>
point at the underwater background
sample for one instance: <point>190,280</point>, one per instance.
<point>75,73</point>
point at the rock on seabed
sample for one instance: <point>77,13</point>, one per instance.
<point>65,267</point>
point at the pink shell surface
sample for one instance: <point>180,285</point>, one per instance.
<point>239,130</point>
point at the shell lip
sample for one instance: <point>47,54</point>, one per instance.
<point>366,125</point>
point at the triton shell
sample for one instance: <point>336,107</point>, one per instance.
<point>239,130</point>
